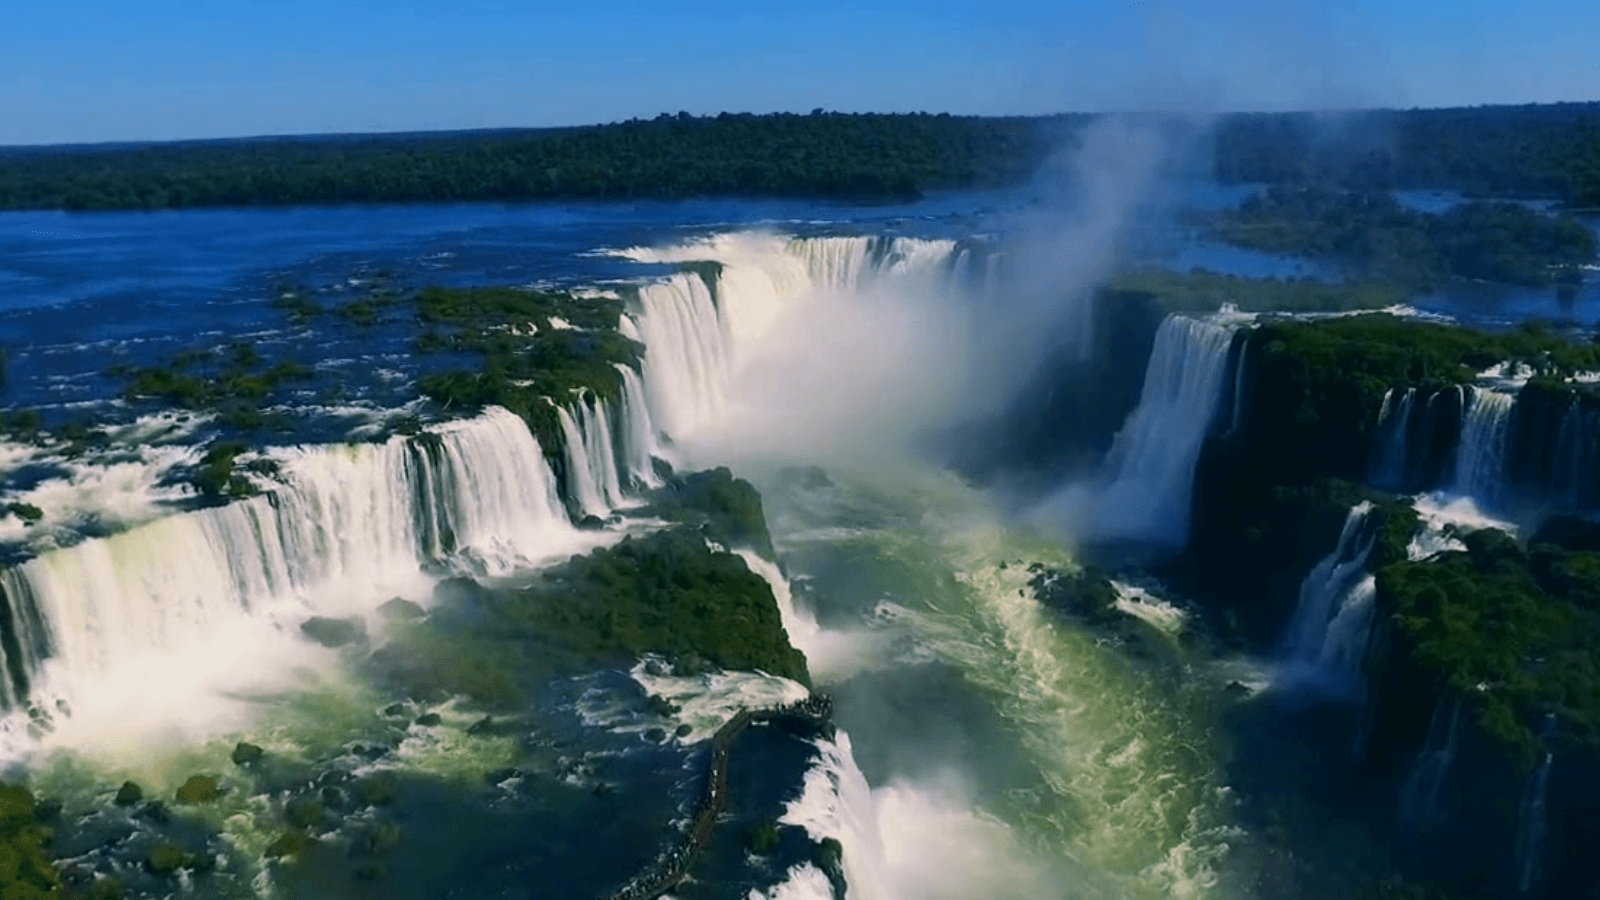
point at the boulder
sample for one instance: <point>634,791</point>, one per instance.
<point>129,794</point>
<point>304,812</point>
<point>401,610</point>
<point>198,789</point>
<point>165,858</point>
<point>246,753</point>
<point>429,720</point>
<point>334,632</point>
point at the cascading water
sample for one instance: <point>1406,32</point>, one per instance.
<point>1393,439</point>
<point>696,332</point>
<point>1480,456</point>
<point>591,457</point>
<point>639,444</point>
<point>1328,634</point>
<point>349,526</point>
<point>1152,459</point>
<point>1572,475</point>
<point>1419,802</point>
<point>1532,827</point>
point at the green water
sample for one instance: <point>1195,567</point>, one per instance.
<point>1104,770</point>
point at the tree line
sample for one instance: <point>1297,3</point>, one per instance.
<point>1542,150</point>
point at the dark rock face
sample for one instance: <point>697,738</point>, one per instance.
<point>129,794</point>
<point>246,753</point>
<point>334,633</point>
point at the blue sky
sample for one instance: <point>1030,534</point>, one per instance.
<point>89,70</point>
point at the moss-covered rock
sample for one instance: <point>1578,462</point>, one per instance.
<point>198,789</point>
<point>334,633</point>
<point>400,610</point>
<point>245,753</point>
<point>25,870</point>
<point>726,509</point>
<point>129,794</point>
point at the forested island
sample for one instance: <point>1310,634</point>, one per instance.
<point>1548,151</point>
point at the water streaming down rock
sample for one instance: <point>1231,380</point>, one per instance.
<point>349,526</point>
<point>1152,458</point>
<point>591,459</point>
<point>1480,455</point>
<point>1419,801</point>
<point>695,332</point>
<point>1333,621</point>
<point>640,446</point>
<point>1392,438</point>
<point>1573,476</point>
<point>1532,827</point>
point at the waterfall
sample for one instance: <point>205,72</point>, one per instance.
<point>591,456</point>
<point>1392,439</point>
<point>1152,459</point>
<point>1532,827</point>
<point>581,481</point>
<point>1328,634</point>
<point>1480,456</point>
<point>1572,471</point>
<point>350,525</point>
<point>686,356</point>
<point>694,332</point>
<point>1238,391</point>
<point>639,444</point>
<point>1419,802</point>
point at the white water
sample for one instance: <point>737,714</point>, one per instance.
<point>639,442</point>
<point>1480,456</point>
<point>1332,622</point>
<point>792,326</point>
<point>136,632</point>
<point>1150,467</point>
<point>1157,613</point>
<point>591,457</point>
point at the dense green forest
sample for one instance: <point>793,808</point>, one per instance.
<point>1377,237</point>
<point>1549,150</point>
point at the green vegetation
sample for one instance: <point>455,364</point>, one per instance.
<point>1376,236</point>
<point>666,593</point>
<point>828,155</point>
<point>522,369</point>
<point>216,478</point>
<point>1515,631</point>
<point>27,512</point>
<point>26,872</point>
<point>724,508</point>
<point>232,381</point>
<point>1202,291</point>
<point>1550,150</point>
<point>1504,151</point>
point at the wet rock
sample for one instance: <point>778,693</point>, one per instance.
<point>246,753</point>
<point>683,730</point>
<point>591,523</point>
<point>198,789</point>
<point>164,858</point>
<point>47,811</point>
<point>485,725</point>
<point>154,812</point>
<point>661,706</point>
<point>375,839</point>
<point>401,610</point>
<point>395,710</point>
<point>334,632</point>
<point>304,812</point>
<point>656,735</point>
<point>429,720</point>
<point>1236,689</point>
<point>128,794</point>
<point>376,790</point>
<point>289,844</point>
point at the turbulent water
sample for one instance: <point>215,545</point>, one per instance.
<point>987,746</point>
